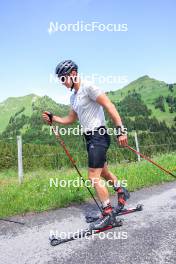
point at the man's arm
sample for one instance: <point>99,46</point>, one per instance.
<point>71,118</point>
<point>110,107</point>
<point>104,101</point>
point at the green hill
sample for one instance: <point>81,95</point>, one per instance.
<point>150,90</point>
<point>26,105</point>
<point>142,104</point>
<point>146,105</point>
<point>14,104</point>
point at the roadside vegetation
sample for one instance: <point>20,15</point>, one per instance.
<point>36,195</point>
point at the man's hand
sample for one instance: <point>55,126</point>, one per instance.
<point>71,118</point>
<point>46,117</point>
<point>122,140</point>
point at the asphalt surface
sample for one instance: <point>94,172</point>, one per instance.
<point>146,237</point>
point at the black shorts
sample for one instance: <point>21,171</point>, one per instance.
<point>97,146</point>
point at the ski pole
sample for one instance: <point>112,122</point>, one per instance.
<point>57,135</point>
<point>151,161</point>
<point>11,221</point>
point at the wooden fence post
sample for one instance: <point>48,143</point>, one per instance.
<point>137,144</point>
<point>20,159</point>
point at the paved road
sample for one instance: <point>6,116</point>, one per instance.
<point>150,234</point>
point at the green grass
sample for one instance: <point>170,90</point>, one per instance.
<point>36,195</point>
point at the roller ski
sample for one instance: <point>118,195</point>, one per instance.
<point>117,212</point>
<point>106,222</point>
<point>55,241</point>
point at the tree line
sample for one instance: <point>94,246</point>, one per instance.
<point>40,149</point>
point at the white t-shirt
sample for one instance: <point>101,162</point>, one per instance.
<point>83,102</point>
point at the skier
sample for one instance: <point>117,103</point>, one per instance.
<point>87,103</point>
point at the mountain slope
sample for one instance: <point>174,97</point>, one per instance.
<point>26,105</point>
<point>12,105</point>
<point>150,89</point>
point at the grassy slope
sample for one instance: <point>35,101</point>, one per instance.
<point>35,194</point>
<point>12,105</point>
<point>149,89</point>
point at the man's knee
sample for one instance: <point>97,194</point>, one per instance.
<point>104,173</point>
<point>94,174</point>
<point>93,170</point>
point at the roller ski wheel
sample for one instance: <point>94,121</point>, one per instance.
<point>55,241</point>
<point>139,207</point>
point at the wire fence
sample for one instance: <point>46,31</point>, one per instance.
<point>34,156</point>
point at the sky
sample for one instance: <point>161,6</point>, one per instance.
<point>29,52</point>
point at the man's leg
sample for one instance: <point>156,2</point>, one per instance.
<point>107,217</point>
<point>96,160</point>
<point>122,193</point>
<point>102,192</point>
<point>109,176</point>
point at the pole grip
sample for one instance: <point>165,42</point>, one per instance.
<point>50,115</point>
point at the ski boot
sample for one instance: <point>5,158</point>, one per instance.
<point>107,219</point>
<point>123,196</point>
